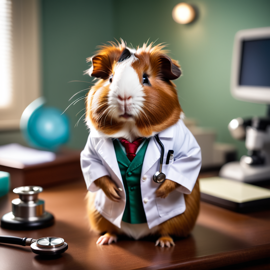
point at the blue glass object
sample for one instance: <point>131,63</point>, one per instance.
<point>44,127</point>
<point>4,183</point>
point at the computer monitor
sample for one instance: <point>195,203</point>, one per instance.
<point>250,78</point>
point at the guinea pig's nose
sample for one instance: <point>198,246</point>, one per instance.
<point>123,98</point>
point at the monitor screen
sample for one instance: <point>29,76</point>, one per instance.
<point>250,74</point>
<point>255,63</point>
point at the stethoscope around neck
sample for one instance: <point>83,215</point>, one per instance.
<point>159,177</point>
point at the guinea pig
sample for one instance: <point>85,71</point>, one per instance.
<point>133,105</point>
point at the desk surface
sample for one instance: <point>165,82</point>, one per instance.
<point>220,238</point>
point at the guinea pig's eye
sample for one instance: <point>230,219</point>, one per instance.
<point>110,79</point>
<point>145,79</point>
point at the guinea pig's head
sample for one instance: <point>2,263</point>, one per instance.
<point>134,96</point>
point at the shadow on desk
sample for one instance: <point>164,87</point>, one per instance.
<point>58,263</point>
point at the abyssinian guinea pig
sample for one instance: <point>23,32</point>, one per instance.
<point>134,100</point>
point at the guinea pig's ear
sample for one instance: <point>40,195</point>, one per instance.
<point>101,66</point>
<point>168,70</point>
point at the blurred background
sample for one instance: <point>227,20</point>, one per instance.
<point>69,31</point>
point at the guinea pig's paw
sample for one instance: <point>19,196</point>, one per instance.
<point>165,241</point>
<point>106,239</point>
<point>165,188</point>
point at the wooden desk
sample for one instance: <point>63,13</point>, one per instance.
<point>219,239</point>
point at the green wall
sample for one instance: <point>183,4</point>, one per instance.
<point>203,49</point>
<point>71,31</point>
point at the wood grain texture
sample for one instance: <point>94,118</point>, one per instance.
<point>220,238</point>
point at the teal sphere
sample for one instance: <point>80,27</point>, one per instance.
<point>44,127</point>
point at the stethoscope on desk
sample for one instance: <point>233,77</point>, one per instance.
<point>159,177</point>
<point>28,212</point>
<point>45,246</point>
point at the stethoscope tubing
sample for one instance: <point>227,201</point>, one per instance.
<point>161,148</point>
<point>6,239</point>
<point>159,177</point>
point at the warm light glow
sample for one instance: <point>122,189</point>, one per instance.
<point>183,13</point>
<point>5,53</point>
<point>234,124</point>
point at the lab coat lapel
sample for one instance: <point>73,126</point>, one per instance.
<point>151,156</point>
<point>106,151</point>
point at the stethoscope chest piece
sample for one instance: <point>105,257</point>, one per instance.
<point>27,211</point>
<point>159,177</point>
<point>49,246</point>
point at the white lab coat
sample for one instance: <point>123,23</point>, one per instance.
<point>98,159</point>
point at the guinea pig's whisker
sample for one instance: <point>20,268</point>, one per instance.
<point>111,119</point>
<point>78,99</point>
<point>80,119</point>
<point>66,108</point>
<point>142,119</point>
<point>106,117</point>
<point>97,106</point>
<point>102,115</point>
<point>80,111</point>
<point>80,81</point>
<point>73,103</point>
<point>143,122</point>
<point>141,110</point>
<point>86,89</point>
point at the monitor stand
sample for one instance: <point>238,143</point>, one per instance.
<point>255,166</point>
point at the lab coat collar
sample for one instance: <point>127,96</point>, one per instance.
<point>106,150</point>
<point>96,134</point>
<point>166,133</point>
<point>151,156</point>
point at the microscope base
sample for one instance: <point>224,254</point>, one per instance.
<point>245,173</point>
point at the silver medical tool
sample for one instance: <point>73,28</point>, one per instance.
<point>27,211</point>
<point>159,177</point>
<point>255,165</point>
<point>45,246</point>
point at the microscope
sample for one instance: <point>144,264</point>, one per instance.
<point>255,165</point>
<point>250,81</point>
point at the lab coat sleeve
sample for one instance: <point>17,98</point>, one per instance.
<point>91,165</point>
<point>187,159</point>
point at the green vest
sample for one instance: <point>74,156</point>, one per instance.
<point>131,175</point>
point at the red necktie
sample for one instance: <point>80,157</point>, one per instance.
<point>131,148</point>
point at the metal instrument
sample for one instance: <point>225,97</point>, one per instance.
<point>28,212</point>
<point>45,246</point>
<point>159,177</point>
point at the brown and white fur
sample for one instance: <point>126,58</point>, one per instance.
<point>134,97</point>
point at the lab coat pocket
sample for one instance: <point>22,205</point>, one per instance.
<point>169,204</point>
<point>103,203</point>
